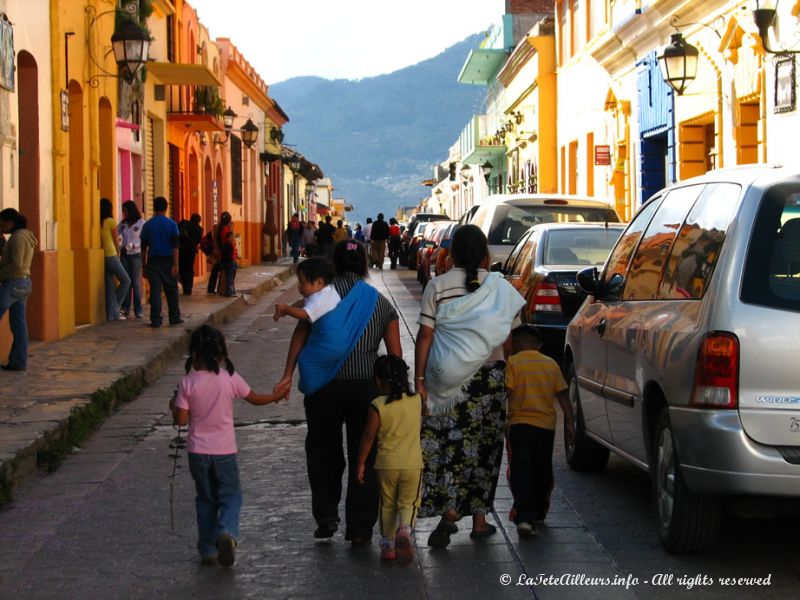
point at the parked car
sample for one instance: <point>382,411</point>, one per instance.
<point>440,259</point>
<point>410,231</point>
<point>682,360</point>
<point>505,217</point>
<point>414,243</point>
<point>542,267</point>
<point>434,234</point>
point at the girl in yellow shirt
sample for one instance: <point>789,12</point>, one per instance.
<point>396,419</point>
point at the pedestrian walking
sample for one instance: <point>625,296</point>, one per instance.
<point>219,232</point>
<point>535,384</point>
<point>15,283</point>
<point>160,262</point>
<point>325,238</point>
<point>190,235</point>
<point>204,401</point>
<point>130,254</point>
<point>336,360</point>
<point>340,233</point>
<point>310,239</point>
<point>394,243</point>
<point>115,292</point>
<point>358,235</point>
<point>379,234</point>
<point>294,235</point>
<point>314,277</point>
<point>394,417</point>
<point>465,317</point>
<point>228,256</point>
<point>368,239</point>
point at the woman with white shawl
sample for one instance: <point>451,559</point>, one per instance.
<point>465,318</point>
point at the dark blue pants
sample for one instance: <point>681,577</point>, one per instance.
<point>159,273</point>
<point>531,464</point>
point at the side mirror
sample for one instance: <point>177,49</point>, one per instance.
<point>589,280</point>
<point>496,267</point>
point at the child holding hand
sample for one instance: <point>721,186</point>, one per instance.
<point>204,400</point>
<point>314,276</point>
<point>395,417</point>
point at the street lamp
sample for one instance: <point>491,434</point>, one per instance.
<point>227,120</point>
<point>764,16</point>
<point>294,163</point>
<point>465,170</point>
<point>249,133</point>
<point>131,44</point>
<point>678,63</point>
<point>486,171</point>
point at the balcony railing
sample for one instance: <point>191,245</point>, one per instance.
<point>481,139</point>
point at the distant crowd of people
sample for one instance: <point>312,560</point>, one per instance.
<point>309,239</point>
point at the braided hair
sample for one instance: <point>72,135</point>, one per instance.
<point>470,249</point>
<point>208,347</point>
<point>392,371</point>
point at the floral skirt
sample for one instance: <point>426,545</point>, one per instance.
<point>463,448</point>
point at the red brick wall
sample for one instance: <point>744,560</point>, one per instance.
<point>529,6</point>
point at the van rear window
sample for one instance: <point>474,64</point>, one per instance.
<point>510,222</point>
<point>772,268</point>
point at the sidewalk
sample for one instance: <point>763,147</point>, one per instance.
<point>73,384</point>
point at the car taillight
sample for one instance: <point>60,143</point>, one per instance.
<point>716,376</point>
<point>545,298</point>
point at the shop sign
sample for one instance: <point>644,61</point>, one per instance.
<point>6,54</point>
<point>785,94</point>
<point>64,110</point>
<point>602,155</point>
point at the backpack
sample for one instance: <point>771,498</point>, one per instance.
<point>207,244</point>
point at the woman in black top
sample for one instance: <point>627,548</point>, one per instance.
<point>345,401</point>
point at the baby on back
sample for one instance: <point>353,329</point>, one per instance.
<point>314,277</point>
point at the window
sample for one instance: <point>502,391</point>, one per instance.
<point>580,246</point>
<point>510,222</point>
<point>236,170</point>
<point>522,265</point>
<point>617,264</point>
<point>696,249</point>
<point>772,268</point>
<point>651,255</point>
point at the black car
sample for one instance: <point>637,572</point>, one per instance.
<point>406,258</point>
<point>542,267</point>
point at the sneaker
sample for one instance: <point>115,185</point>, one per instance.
<point>387,550</point>
<point>227,550</point>
<point>122,318</point>
<point>525,529</point>
<point>404,550</point>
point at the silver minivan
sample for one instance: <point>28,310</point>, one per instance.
<point>503,218</point>
<point>683,358</point>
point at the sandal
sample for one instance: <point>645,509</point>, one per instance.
<point>482,533</point>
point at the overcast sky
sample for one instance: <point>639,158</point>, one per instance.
<point>348,39</point>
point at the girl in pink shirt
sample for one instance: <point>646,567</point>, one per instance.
<point>204,400</point>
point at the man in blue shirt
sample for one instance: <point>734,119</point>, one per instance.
<point>160,239</point>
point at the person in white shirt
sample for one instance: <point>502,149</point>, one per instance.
<point>368,239</point>
<point>314,277</point>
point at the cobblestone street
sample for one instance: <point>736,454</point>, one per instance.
<point>100,526</point>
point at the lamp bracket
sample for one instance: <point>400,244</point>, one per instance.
<point>717,25</point>
<point>131,7</point>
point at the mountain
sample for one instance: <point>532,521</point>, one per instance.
<point>377,138</point>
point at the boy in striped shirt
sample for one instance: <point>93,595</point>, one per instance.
<point>535,384</point>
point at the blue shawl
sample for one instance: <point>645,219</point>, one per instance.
<point>334,336</point>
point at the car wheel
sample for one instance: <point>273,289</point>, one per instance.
<point>585,454</point>
<point>688,523</point>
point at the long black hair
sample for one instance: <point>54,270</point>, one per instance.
<point>131,212</point>
<point>208,345</point>
<point>392,370</point>
<point>106,209</point>
<point>470,249</point>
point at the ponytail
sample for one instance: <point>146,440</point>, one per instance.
<point>394,372</point>
<point>208,345</point>
<point>470,249</point>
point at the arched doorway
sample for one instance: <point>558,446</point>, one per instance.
<point>218,194</point>
<point>29,191</point>
<point>208,189</point>
<point>107,150</point>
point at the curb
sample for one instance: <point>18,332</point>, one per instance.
<point>48,450</point>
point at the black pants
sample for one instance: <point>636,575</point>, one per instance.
<point>394,251</point>
<point>186,268</point>
<point>159,274</point>
<point>341,402</point>
<point>531,463</point>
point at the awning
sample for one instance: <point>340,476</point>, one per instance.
<point>482,65</point>
<point>182,74</point>
<point>196,121</point>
